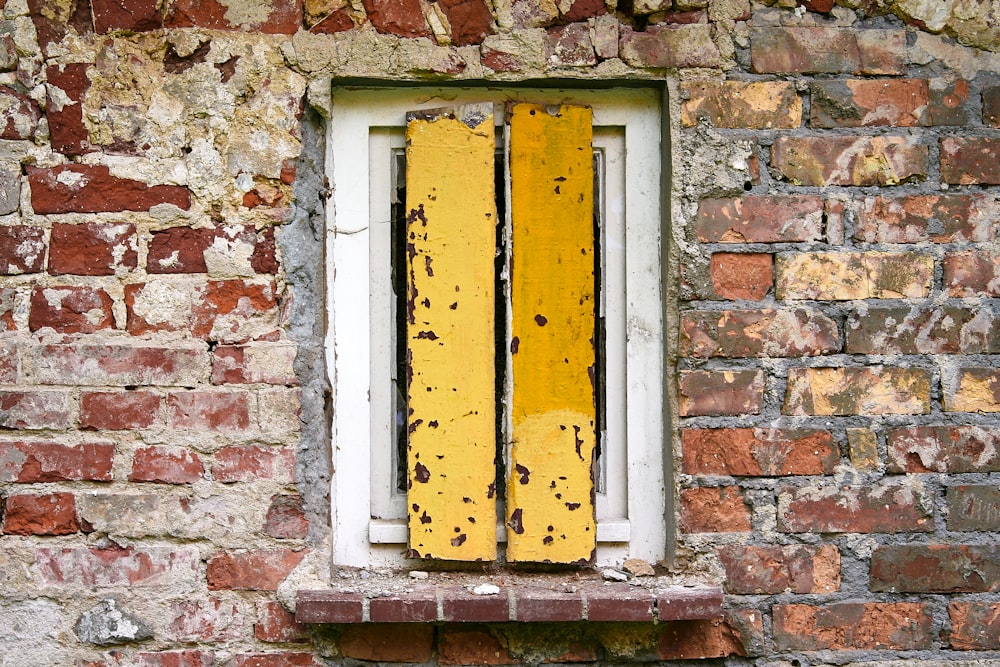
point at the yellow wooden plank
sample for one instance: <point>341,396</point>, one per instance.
<point>450,332</point>
<point>550,506</point>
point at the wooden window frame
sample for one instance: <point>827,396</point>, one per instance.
<point>369,526</point>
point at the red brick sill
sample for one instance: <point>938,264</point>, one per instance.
<point>596,602</point>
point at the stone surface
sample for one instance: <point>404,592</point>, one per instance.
<point>669,46</point>
<point>108,623</point>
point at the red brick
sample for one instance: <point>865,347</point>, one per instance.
<point>949,103</point>
<point>757,333</point>
<point>19,115</point>
<point>870,102</point>
<point>741,275</point>
<point>119,410</point>
<point>714,510</point>
<point>973,507</point>
<point>205,620</point>
<point>92,249</point>
<point>580,10</point>
<point>266,363</point>
<point>283,18</point>
<point>914,330</point>
<point>680,603</point>
<point>418,606</point>
<point>735,392</point>
<point>459,605</point>
<point>694,640</point>
<point>328,607</point>
<point>755,452</point>
<point>10,362</point>
<point>935,218</point>
<point>760,219</point>
<point>540,605</point>
<point>470,20</point>
<point>286,518</point>
<point>117,567</point>
<point>809,50</point>
<point>771,570</point>
<point>884,508</point>
<point>33,462</point>
<point>470,646</point>
<point>971,273</point>
<point>183,249</point>
<point>22,249</point>
<point>189,658</point>
<point>78,188</point>
<point>945,449</point>
<point>286,659</point>
<point>120,365</point>
<point>167,465</point>
<point>34,410</point>
<point>991,106</point>
<point>250,463</point>
<point>209,410</point>
<point>846,160</point>
<point>275,624</point>
<point>742,104</point>
<point>259,570</point>
<point>69,309</point>
<point>64,110</point>
<point>397,17</point>
<point>903,626</point>
<point>388,643</point>
<point>936,568</point>
<point>570,46</point>
<point>48,514</point>
<point>128,15</point>
<point>970,160</point>
<point>500,61</point>
<point>610,603</point>
<point>338,21</point>
<point>53,19</point>
<point>669,46</point>
<point>975,626</point>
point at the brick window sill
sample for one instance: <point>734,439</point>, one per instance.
<point>516,601</point>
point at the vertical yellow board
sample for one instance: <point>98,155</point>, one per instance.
<point>451,239</point>
<point>550,497</point>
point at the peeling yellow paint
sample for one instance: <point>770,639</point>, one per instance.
<point>550,513</point>
<point>451,223</point>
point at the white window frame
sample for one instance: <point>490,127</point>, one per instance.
<point>369,518</point>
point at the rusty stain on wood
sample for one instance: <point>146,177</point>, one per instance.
<point>550,493</point>
<point>450,340</point>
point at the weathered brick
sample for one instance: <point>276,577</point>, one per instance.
<point>10,196</point>
<point>741,275</point>
<point>412,642</point>
<point>117,567</point>
<point>67,86</point>
<point>770,570</point>
<point>949,103</point>
<point>863,446</point>
<point>755,452</point>
<point>92,249</point>
<point>845,276</point>
<point>216,250</point>
<point>742,104</point>
<point>810,50</point>
<point>975,626</point>
<point>78,188</point>
<point>22,249</point>
<point>48,514</point>
<point>460,605</point>
<point>991,106</point>
<point>735,392</point>
<point>678,603</point>
<point>279,411</point>
<point>32,462</point>
<point>250,463</point>
<point>284,659</point>
<point>286,518</point>
<point>886,508</point>
<point>542,605</point>
<point>417,605</point>
<point>847,160</point>
<point>9,362</point>
<point>19,115</point>
<point>329,606</point>
<point>168,465</point>
<point>53,19</point>
<point>701,639</point>
<point>869,102</point>
<point>259,570</point>
<point>569,46</point>
<point>916,330</point>
<point>397,17</point>
<point>69,309</point>
<point>607,604</point>
<point>119,410</point>
<point>936,568</point>
<point>205,620</point>
<point>978,390</point>
<point>183,364</point>
<point>32,410</point>
<point>337,21</point>
<point>130,15</point>
<point>936,218</point>
<point>267,363</point>
<point>275,624</point>
<point>853,625</point>
<point>758,333</point>
<point>209,410</point>
<point>470,20</point>
<point>277,17</point>
<point>970,160</point>
<point>760,219</point>
<point>470,646</point>
<point>714,510</point>
<point>971,273</point>
<point>189,658</point>
<point>873,390</point>
<point>669,46</point>
<point>973,507</point>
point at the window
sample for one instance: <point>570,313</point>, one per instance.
<point>613,139</point>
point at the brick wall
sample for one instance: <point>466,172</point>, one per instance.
<point>834,246</point>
